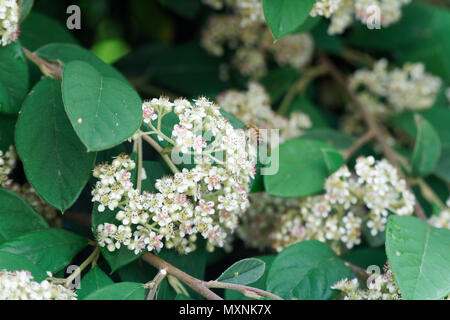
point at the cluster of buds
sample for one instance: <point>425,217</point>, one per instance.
<point>252,46</point>
<point>399,89</point>
<point>342,13</point>
<point>442,220</point>
<point>9,20</point>
<point>253,106</point>
<point>207,199</point>
<point>264,212</point>
<point>19,285</point>
<point>8,161</point>
<point>379,287</point>
<point>350,201</point>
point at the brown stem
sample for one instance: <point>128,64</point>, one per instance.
<point>197,285</point>
<point>155,283</point>
<point>49,69</point>
<point>248,291</point>
<point>358,144</point>
<point>370,121</point>
<point>357,269</point>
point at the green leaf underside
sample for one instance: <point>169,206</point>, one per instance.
<point>260,283</point>
<point>50,249</point>
<point>119,291</point>
<point>419,256</point>
<point>56,163</point>
<point>286,16</point>
<point>103,111</point>
<point>243,272</point>
<point>306,271</point>
<point>17,217</point>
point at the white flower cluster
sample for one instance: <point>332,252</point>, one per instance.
<point>9,20</point>
<point>252,45</point>
<point>253,107</point>
<point>344,12</point>
<point>381,287</point>
<point>408,88</point>
<point>207,199</point>
<point>264,212</point>
<point>8,161</point>
<point>443,219</point>
<point>350,201</point>
<point>19,285</point>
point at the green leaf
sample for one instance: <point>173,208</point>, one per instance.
<point>14,76</point>
<point>104,111</point>
<point>427,149</point>
<point>51,249</point>
<point>286,16</point>
<point>26,9</point>
<point>332,137</point>
<point>243,272</point>
<point>66,53</point>
<point>94,280</point>
<point>366,257</point>
<point>303,166</point>
<point>236,123</point>
<point>38,30</point>
<point>55,161</point>
<point>17,217</point>
<point>119,257</point>
<point>119,291</point>
<point>259,284</point>
<point>306,271</point>
<point>7,127</point>
<point>419,256</point>
<point>13,262</point>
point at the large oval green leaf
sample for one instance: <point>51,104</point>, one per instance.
<point>55,161</point>
<point>13,262</point>
<point>286,16</point>
<point>303,165</point>
<point>119,291</point>
<point>14,76</point>
<point>17,217</point>
<point>244,271</point>
<point>104,111</point>
<point>51,249</point>
<point>94,280</point>
<point>419,256</point>
<point>306,271</point>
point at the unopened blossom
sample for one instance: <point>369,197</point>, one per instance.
<point>379,287</point>
<point>399,89</point>
<point>350,201</point>
<point>325,8</point>
<point>207,199</point>
<point>9,20</point>
<point>19,285</point>
<point>253,107</point>
<point>8,161</point>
